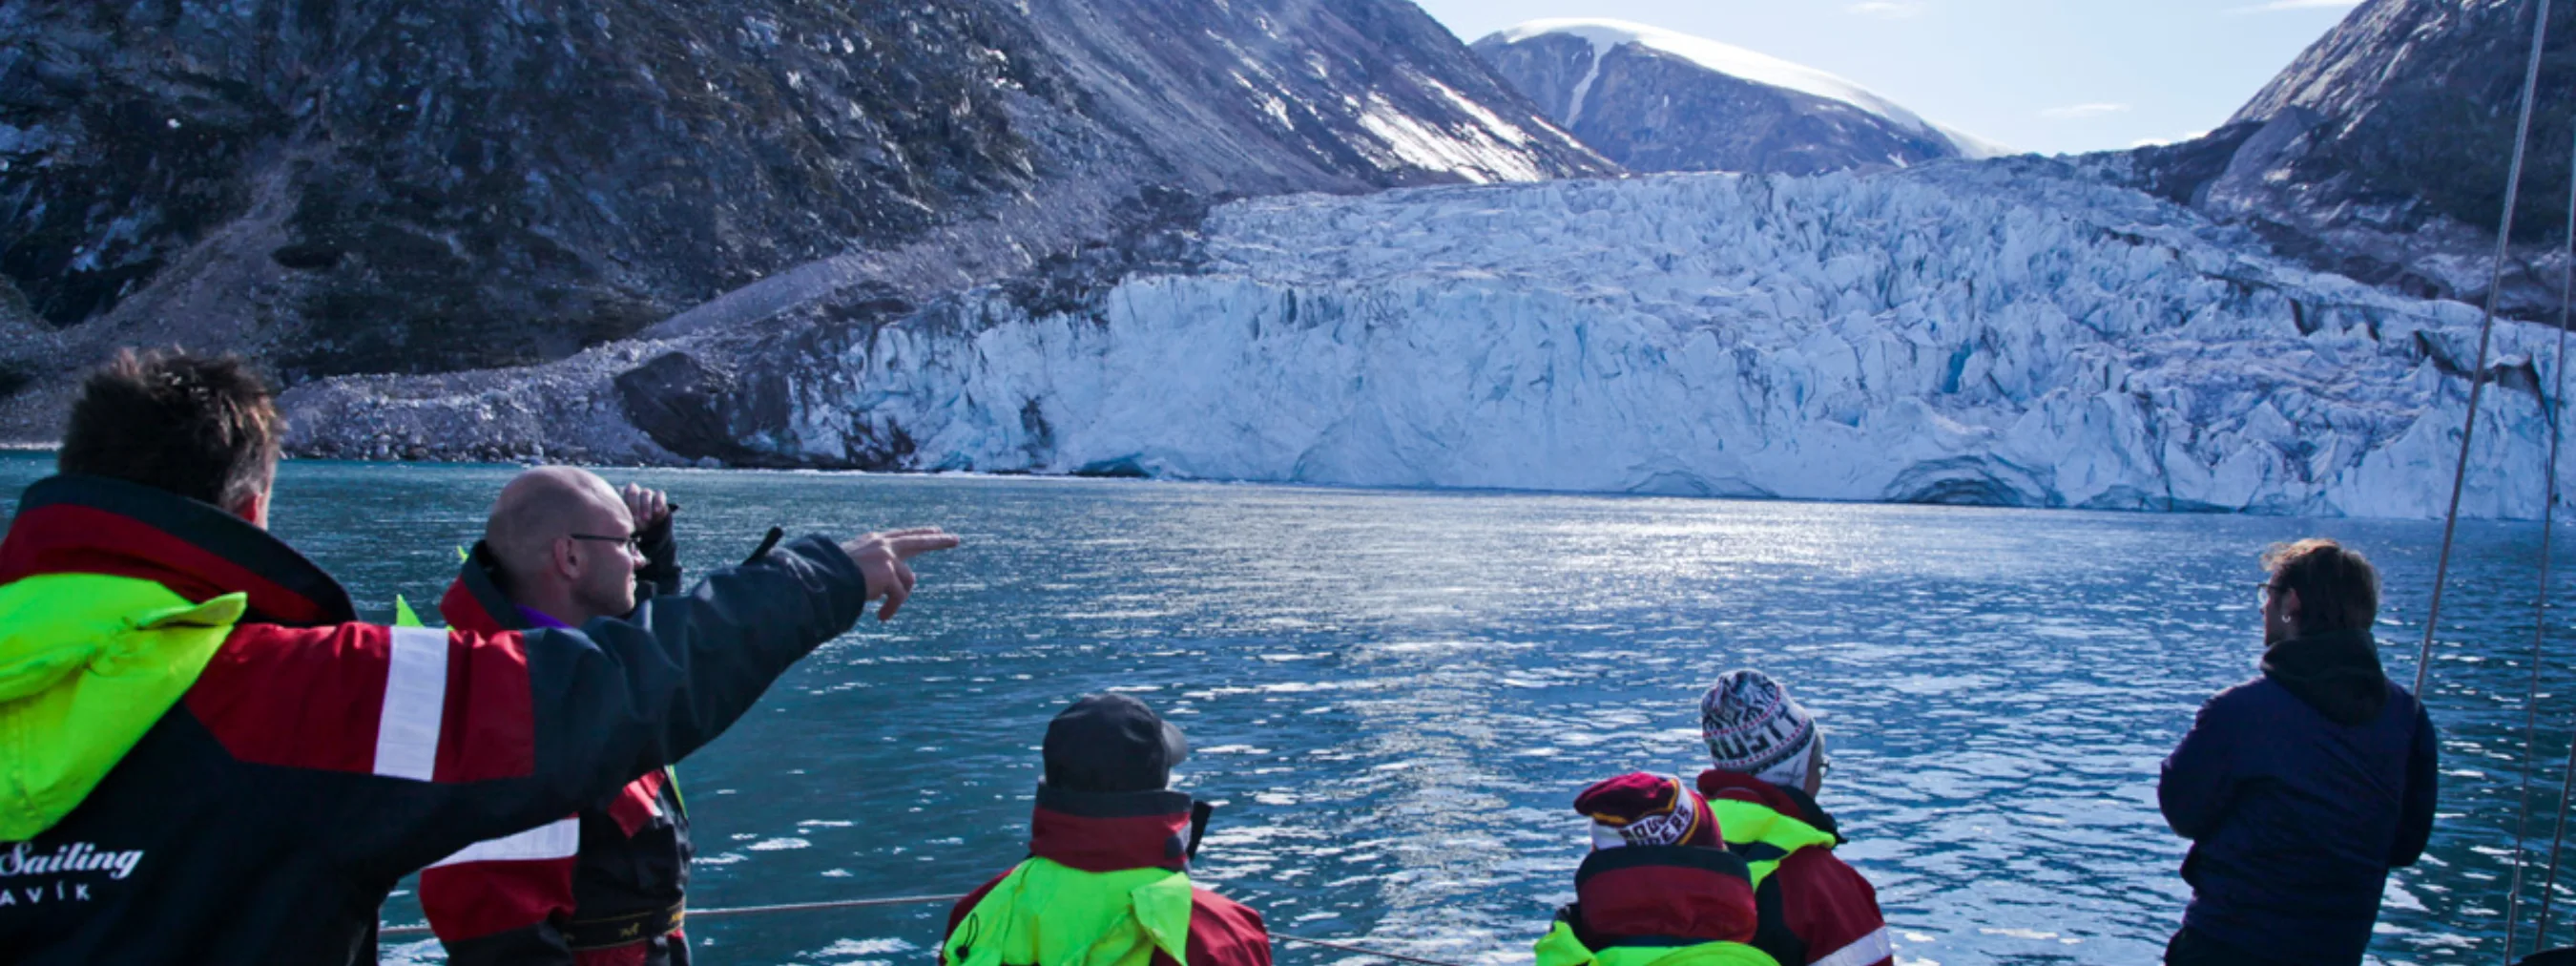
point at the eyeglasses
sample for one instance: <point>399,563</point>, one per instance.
<point>2267,590</point>
<point>633,541</point>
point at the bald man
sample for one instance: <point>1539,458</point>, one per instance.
<point>607,885</point>
<point>568,548</point>
<point>604,887</point>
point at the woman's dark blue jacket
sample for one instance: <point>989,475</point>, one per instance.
<point>2299,790</point>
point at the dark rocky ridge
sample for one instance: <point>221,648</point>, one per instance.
<point>344,186</point>
<point>1650,110</point>
<point>2381,153</point>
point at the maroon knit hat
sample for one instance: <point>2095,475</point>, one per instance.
<point>1643,809</point>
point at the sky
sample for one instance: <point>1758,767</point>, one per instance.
<point>2052,76</point>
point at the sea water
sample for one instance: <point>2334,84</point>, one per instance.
<point>1395,695</point>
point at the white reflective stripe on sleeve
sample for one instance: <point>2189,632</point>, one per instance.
<point>557,840</point>
<point>1863,951</point>
<point>415,700</point>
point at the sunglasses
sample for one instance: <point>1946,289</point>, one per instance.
<point>633,541</point>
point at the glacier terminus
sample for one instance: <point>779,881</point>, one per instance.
<point>2007,332</point>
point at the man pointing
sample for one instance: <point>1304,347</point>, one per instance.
<point>179,686</point>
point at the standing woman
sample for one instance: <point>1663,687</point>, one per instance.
<point>2301,788</point>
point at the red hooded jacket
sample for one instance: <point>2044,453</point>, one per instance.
<point>1821,900</point>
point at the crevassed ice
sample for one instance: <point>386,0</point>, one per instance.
<point>1986,333</point>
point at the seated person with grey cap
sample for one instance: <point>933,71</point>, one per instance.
<point>1106,881</point>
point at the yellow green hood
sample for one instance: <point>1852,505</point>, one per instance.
<point>88,663</point>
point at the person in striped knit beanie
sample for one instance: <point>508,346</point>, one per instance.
<point>1753,727</point>
<point>1769,762</point>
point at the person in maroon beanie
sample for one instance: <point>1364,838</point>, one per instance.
<point>1769,763</point>
<point>1659,887</point>
<point>1107,875</point>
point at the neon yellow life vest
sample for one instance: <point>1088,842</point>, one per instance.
<point>1048,914</point>
<point>1764,837</point>
<point>88,663</point>
<point>1560,948</point>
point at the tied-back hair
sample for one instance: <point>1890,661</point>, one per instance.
<point>203,427</point>
<point>2338,589</point>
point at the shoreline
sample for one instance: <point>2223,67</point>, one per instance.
<point>2183,510</point>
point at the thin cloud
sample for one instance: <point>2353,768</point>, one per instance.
<point>2082,112</point>
<point>1888,9</point>
<point>2277,6</point>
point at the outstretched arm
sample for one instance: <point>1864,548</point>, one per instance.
<point>443,739</point>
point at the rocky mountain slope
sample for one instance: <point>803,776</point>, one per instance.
<point>344,186</point>
<point>2382,152</point>
<point>2007,333</point>
<point>1658,100</point>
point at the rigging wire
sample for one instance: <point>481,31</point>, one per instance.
<point>2486,329</point>
<point>2567,781</point>
<point>2540,619</point>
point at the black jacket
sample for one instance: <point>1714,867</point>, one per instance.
<point>2299,790</point>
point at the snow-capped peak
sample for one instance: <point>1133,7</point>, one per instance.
<point>1760,68</point>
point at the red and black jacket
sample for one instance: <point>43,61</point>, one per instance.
<point>1118,831</point>
<point>318,760</point>
<point>601,888</point>
<point>1815,908</point>
<point>1661,895</point>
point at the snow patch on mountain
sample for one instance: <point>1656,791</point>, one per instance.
<point>2000,333</point>
<point>1606,35</point>
<point>1490,151</point>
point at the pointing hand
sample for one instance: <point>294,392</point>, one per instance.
<point>884,558</point>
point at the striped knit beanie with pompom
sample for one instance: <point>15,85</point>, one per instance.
<point>1643,809</point>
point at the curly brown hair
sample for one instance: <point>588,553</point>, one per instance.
<point>203,427</point>
<point>2338,589</point>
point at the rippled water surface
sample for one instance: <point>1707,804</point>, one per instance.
<point>1396,695</point>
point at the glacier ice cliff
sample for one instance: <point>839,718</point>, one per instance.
<point>2000,333</point>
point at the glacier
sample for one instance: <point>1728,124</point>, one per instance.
<point>1997,333</point>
